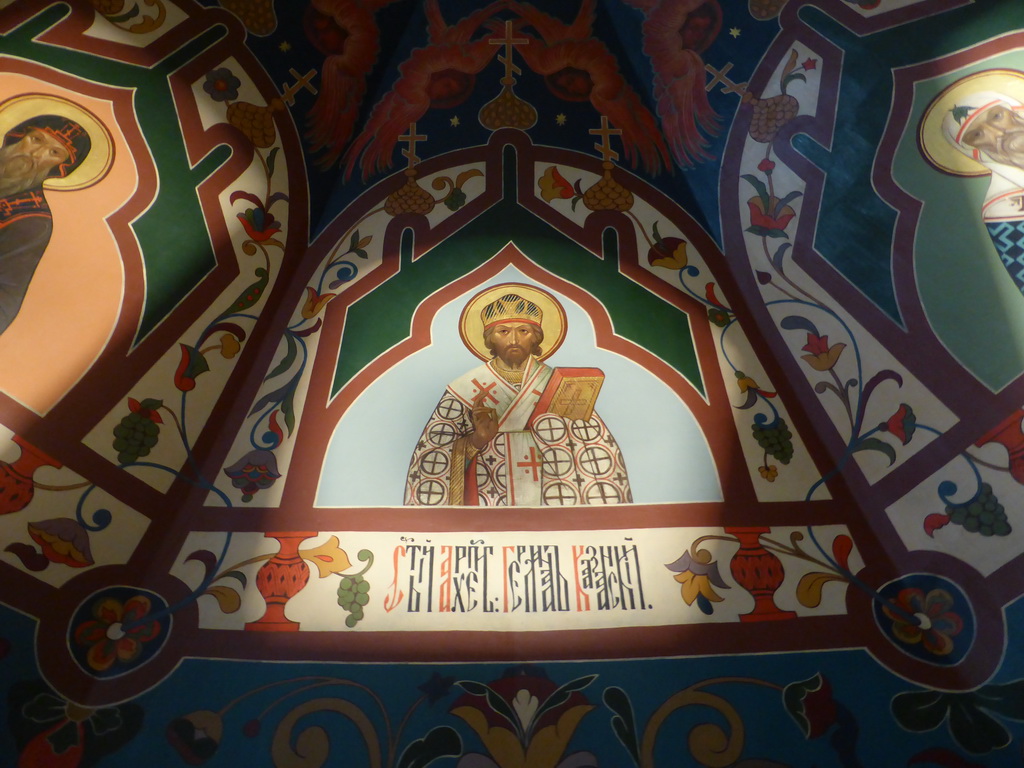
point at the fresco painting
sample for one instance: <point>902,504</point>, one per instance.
<point>326,307</point>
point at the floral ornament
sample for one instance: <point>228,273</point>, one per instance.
<point>229,346</point>
<point>117,633</point>
<point>222,85</point>
<point>969,714</point>
<point>769,472</point>
<point>927,617</point>
<point>524,719</point>
<point>455,198</point>
<point>256,471</point>
<point>810,704</point>
<point>51,731</point>
<point>901,424</point>
<point>196,736</point>
<point>259,223</point>
<point>934,625</point>
<point>718,313</point>
<point>814,709</point>
<point>667,252</point>
<point>769,215</point>
<point>822,357</point>
<point>554,186</point>
<point>315,302</point>
<point>62,540</point>
<point>698,575</point>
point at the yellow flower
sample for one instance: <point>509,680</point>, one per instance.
<point>328,557</point>
<point>229,346</point>
<point>554,185</point>
<point>695,584</point>
<point>822,357</point>
<point>745,383</point>
<point>315,302</point>
<point>668,252</point>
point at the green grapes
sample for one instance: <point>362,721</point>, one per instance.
<point>984,515</point>
<point>134,437</point>
<point>775,440</point>
<point>353,595</point>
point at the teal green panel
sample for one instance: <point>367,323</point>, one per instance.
<point>382,319</point>
<point>172,233</point>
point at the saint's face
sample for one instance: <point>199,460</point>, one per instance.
<point>29,160</point>
<point>41,152</point>
<point>513,343</point>
<point>1000,132</point>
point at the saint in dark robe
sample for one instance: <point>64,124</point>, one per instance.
<point>37,149</point>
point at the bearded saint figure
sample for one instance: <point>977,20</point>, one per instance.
<point>988,127</point>
<point>499,438</point>
<point>40,148</point>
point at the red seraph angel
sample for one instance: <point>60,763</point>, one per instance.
<point>578,67</point>
<point>675,34</point>
<point>346,32</point>
<point>442,74</point>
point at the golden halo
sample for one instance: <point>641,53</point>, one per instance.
<point>101,155</point>
<point>932,142</point>
<point>553,323</point>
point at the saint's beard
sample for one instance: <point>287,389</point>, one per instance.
<point>515,357</point>
<point>1010,150</point>
<point>19,172</point>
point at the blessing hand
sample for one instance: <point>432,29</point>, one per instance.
<point>485,423</point>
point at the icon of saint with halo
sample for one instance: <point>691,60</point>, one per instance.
<point>515,431</point>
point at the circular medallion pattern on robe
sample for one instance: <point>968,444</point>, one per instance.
<point>430,493</point>
<point>597,460</point>
<point>560,494</point>
<point>450,409</point>
<point>557,462</point>
<point>434,463</point>
<point>586,431</point>
<point>483,474</point>
<point>549,429</point>
<point>600,492</point>
<point>442,433</point>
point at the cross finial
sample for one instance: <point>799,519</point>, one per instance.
<point>605,147</point>
<point>411,138</point>
<point>301,81</point>
<point>720,78</point>
<point>508,41</point>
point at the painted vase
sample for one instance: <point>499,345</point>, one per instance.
<point>759,572</point>
<point>279,579</point>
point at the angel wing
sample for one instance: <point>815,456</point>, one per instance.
<point>682,101</point>
<point>684,111</point>
<point>347,33</point>
<point>451,52</point>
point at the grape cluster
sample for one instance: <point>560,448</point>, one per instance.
<point>770,115</point>
<point>134,437</point>
<point>775,439</point>
<point>353,594</point>
<point>984,515</point>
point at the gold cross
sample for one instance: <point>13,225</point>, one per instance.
<point>302,81</point>
<point>411,138</point>
<point>508,41</point>
<point>605,147</point>
<point>728,86</point>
